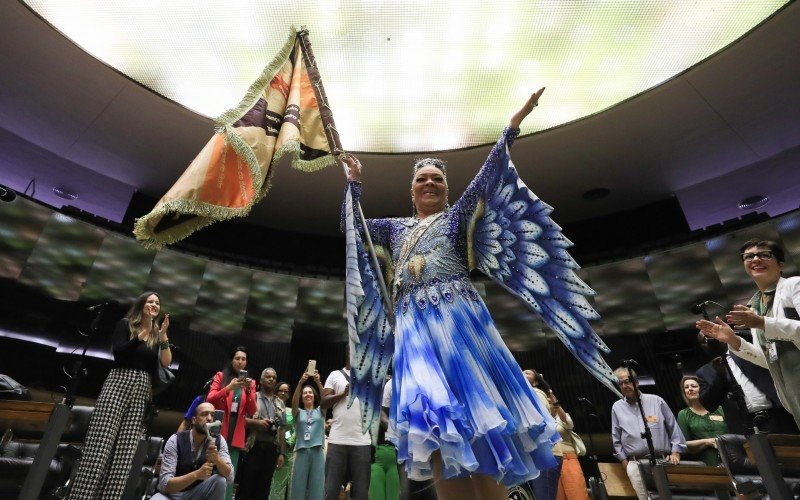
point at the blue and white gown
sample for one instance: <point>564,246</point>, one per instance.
<point>456,387</point>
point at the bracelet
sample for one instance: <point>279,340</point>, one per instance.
<point>164,345</point>
<point>557,403</point>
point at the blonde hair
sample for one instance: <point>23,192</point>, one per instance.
<point>134,317</point>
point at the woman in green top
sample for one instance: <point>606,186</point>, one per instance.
<point>700,426</point>
<point>282,478</point>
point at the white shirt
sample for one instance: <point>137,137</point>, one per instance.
<point>753,398</point>
<point>346,425</point>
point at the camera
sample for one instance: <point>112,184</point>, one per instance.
<point>242,374</point>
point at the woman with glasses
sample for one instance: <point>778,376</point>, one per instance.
<point>700,427</point>
<point>772,315</point>
<point>283,474</point>
<point>308,475</point>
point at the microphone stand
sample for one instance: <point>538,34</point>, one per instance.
<point>646,434</point>
<point>59,417</point>
<point>596,483</point>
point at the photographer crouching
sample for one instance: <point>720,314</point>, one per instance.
<point>190,459</point>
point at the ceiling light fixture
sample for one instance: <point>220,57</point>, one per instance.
<point>64,194</point>
<point>7,194</point>
<point>753,202</point>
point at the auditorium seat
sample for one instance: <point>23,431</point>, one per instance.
<point>16,456</point>
<point>744,475</point>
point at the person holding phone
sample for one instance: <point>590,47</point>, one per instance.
<point>116,426</point>
<point>235,395</point>
<point>308,475</point>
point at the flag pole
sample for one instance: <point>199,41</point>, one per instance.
<point>336,148</point>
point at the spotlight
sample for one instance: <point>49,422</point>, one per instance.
<point>7,194</point>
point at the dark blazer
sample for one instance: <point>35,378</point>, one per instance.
<point>717,391</point>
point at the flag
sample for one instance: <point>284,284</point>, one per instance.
<point>282,113</point>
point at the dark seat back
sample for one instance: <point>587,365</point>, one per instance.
<point>78,424</point>
<point>734,458</point>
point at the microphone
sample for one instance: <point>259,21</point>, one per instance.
<point>97,307</point>
<point>585,401</point>
<point>630,363</point>
<point>700,308</point>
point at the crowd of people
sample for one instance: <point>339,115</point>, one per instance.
<point>459,409</point>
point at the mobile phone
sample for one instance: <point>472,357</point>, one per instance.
<point>242,374</point>
<point>312,366</point>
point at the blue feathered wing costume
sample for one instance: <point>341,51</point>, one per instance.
<point>456,388</point>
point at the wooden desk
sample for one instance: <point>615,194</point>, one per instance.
<point>786,448</point>
<point>25,415</point>
<point>616,480</point>
<point>691,477</point>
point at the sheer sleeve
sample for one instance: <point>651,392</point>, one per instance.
<point>486,176</point>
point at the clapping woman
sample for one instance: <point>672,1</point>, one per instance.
<point>117,421</point>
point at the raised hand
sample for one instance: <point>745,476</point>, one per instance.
<point>525,110</point>
<point>719,330</point>
<point>353,167</point>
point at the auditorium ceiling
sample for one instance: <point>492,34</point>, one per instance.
<point>648,100</point>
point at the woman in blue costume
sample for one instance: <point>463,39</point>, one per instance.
<point>462,411</point>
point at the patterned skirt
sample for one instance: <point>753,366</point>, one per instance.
<point>457,389</point>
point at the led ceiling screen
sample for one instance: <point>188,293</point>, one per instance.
<point>406,76</point>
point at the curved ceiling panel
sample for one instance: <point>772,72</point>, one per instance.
<point>413,76</point>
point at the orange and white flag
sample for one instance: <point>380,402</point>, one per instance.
<point>282,113</point>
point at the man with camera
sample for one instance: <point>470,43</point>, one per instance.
<point>267,450</point>
<point>190,459</point>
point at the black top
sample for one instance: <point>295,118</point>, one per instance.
<point>131,352</point>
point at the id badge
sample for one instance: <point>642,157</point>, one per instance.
<point>307,436</point>
<point>235,407</point>
<point>772,349</point>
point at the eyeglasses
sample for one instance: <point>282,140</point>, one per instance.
<point>625,382</point>
<point>749,256</point>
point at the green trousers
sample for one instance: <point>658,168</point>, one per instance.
<point>384,483</point>
<point>234,453</point>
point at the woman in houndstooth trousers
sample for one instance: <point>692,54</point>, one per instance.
<point>117,422</point>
